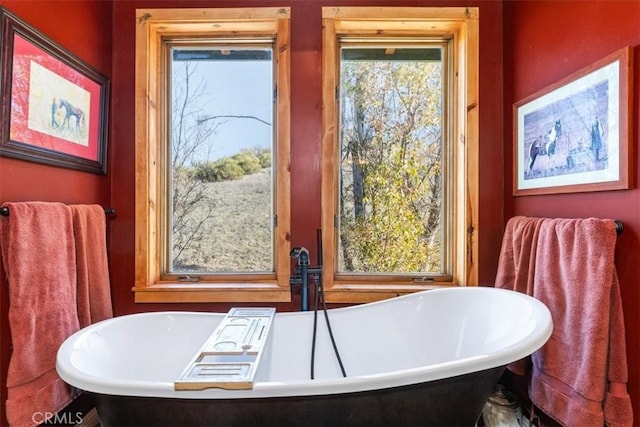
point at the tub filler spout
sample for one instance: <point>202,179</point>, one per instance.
<point>301,275</point>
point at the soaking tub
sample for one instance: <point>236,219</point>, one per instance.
<point>429,358</point>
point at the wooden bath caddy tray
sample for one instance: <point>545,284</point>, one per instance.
<point>229,358</point>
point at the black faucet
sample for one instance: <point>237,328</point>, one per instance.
<point>301,275</point>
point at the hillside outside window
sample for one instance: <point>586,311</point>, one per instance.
<point>220,211</point>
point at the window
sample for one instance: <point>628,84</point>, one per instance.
<point>220,208</point>
<point>399,190</point>
<point>399,152</point>
<point>212,155</point>
<point>392,178</point>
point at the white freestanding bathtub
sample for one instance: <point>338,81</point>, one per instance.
<point>429,358</point>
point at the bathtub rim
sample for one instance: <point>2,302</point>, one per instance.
<point>532,342</point>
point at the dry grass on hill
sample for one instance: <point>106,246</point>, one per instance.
<point>237,236</point>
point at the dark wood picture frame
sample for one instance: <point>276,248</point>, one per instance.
<point>54,105</point>
<point>575,135</point>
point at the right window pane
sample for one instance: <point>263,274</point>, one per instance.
<point>392,215</point>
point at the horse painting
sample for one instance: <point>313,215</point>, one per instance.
<point>70,110</point>
<point>546,145</point>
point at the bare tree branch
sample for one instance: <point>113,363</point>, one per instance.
<point>206,119</point>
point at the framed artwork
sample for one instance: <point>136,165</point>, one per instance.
<point>575,135</point>
<point>54,106</point>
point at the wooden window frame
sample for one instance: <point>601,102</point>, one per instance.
<point>153,27</point>
<point>461,25</point>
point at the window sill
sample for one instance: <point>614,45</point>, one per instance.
<point>364,293</point>
<point>231,292</point>
<point>266,293</point>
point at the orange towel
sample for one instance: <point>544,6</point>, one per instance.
<point>38,253</point>
<point>579,376</point>
<point>516,265</point>
<point>517,256</point>
<point>94,293</point>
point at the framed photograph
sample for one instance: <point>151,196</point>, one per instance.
<point>575,135</point>
<point>54,106</point>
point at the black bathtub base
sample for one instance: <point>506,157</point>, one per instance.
<point>456,401</point>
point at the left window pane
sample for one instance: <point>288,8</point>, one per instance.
<point>220,212</point>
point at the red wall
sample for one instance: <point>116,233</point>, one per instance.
<point>83,28</point>
<point>306,119</point>
<point>540,41</point>
<point>545,41</point>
